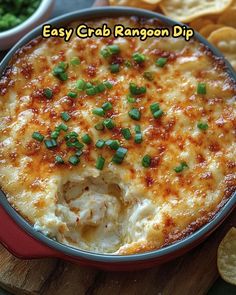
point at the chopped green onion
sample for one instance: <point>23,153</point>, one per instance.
<point>100,143</point>
<point>74,160</point>
<point>50,143</point>
<point>126,133</point>
<point>146,161</point>
<point>156,111</point>
<point>100,88</point>
<point>59,159</point>
<point>63,76</point>
<point>91,91</point>
<point>72,140</point>
<point>138,138</point>
<point>86,139</point>
<point>65,116</point>
<point>108,84</point>
<point>148,76</point>
<point>113,49</point>
<point>114,68</point>
<point>134,89</point>
<point>79,153</point>
<point>105,53</point>
<point>75,61</point>
<point>154,107</point>
<point>128,63</point>
<point>137,128</point>
<point>135,114</point>
<point>99,112</point>
<point>130,99</point>
<point>107,106</point>
<point>109,123</point>
<point>160,62</point>
<point>72,94</point>
<point>38,136</point>
<point>99,126</point>
<point>59,71</point>
<point>48,93</point>
<point>202,126</point>
<point>138,57</point>
<point>54,134</point>
<point>158,114</point>
<point>62,126</point>
<point>100,163</point>
<point>74,143</point>
<point>89,85</point>
<point>181,167</point>
<point>71,134</point>
<point>109,141</point>
<point>119,155</point>
<point>110,50</point>
<point>113,144</point>
<point>201,88</point>
<point>81,84</point>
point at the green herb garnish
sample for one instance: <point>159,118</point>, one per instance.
<point>201,88</point>
<point>181,167</point>
<point>135,114</point>
<point>126,133</point>
<point>38,136</point>
<point>160,62</point>
<point>100,163</point>
<point>136,90</point>
<point>146,161</point>
<point>202,126</point>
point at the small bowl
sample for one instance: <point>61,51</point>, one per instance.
<point>11,36</point>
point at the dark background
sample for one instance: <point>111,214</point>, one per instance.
<point>64,6</point>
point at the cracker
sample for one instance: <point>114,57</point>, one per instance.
<point>187,10</point>
<point>152,1</point>
<point>151,5</point>
<point>226,257</point>
<point>225,40</point>
<point>199,23</point>
<point>228,18</point>
<point>233,4</point>
<point>207,30</point>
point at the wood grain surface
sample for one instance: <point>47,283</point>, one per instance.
<point>193,273</point>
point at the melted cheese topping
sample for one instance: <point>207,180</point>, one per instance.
<point>124,208</point>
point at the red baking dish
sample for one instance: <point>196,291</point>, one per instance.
<point>23,241</point>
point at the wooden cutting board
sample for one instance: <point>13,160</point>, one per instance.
<point>193,273</point>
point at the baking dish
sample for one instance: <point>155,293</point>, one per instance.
<point>24,241</point>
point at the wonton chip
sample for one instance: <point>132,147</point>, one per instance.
<point>151,1</point>
<point>207,30</point>
<point>226,257</point>
<point>228,18</point>
<point>187,10</point>
<point>233,5</point>
<point>151,5</point>
<point>225,40</point>
<point>199,23</point>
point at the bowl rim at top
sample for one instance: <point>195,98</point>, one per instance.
<point>93,13</point>
<point>35,16</point>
